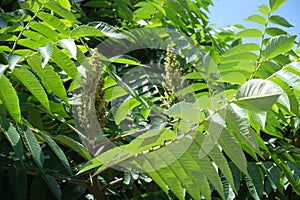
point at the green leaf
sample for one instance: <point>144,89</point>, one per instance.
<point>54,22</point>
<point>273,31</point>
<point>242,48</point>
<point>59,10</point>
<point>70,46</point>
<point>125,108</point>
<point>237,118</point>
<point>257,19</point>
<point>38,189</point>
<point>289,77</point>
<point>247,56</point>
<point>12,136</point>
<point>10,99</point>
<point>30,5</point>
<point>32,145</point>
<point>2,69</point>
<point>249,33</point>
<point>33,85</point>
<point>46,53</point>
<point>85,31</point>
<point>53,185</point>
<point>275,19</point>
<point>18,182</point>
<point>293,101</point>
<point>257,179</point>
<point>230,145</point>
<point>65,4</point>
<point>58,152</point>
<point>45,30</point>
<point>258,95</point>
<point>275,4</point>
<point>50,79</point>
<point>64,62</point>
<point>185,110</point>
<point>264,9</point>
<point>74,145</point>
<point>13,59</point>
<point>278,45</point>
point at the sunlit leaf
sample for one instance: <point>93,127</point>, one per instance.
<point>257,19</point>
<point>46,53</point>
<point>249,33</point>
<point>10,99</point>
<point>275,4</point>
<point>33,85</point>
<point>70,46</point>
<point>258,95</point>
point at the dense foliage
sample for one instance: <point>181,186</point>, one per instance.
<point>123,99</point>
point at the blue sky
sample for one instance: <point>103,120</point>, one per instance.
<point>230,12</point>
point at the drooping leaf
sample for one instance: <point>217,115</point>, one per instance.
<point>74,145</point>
<point>58,152</point>
<point>53,185</point>
<point>12,136</point>
<point>257,180</point>
<point>38,188</point>
<point>230,145</point>
<point>32,145</point>
<point>238,120</point>
<point>275,4</point>
<point>46,53</point>
<point>33,85</point>
<point>275,19</point>
<point>10,99</point>
<point>18,182</point>
<point>70,46</point>
<point>258,95</point>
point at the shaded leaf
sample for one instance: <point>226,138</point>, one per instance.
<point>18,182</point>
<point>12,136</point>
<point>275,19</point>
<point>275,4</point>
<point>74,145</point>
<point>32,145</point>
<point>58,152</point>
